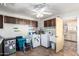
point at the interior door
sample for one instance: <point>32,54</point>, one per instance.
<point>59,34</point>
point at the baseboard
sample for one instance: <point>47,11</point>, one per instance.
<point>71,41</point>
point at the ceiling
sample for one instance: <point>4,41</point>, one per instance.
<point>27,9</point>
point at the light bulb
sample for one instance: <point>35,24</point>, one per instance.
<point>39,15</point>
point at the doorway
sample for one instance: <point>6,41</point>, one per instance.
<point>70,36</point>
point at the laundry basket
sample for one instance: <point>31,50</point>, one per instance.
<point>20,43</point>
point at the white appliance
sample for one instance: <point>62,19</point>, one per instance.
<point>53,41</point>
<point>52,38</point>
<point>45,40</point>
<point>35,40</point>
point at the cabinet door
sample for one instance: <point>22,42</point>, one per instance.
<point>27,22</point>
<point>53,22</point>
<point>24,22</point>
<point>31,23</point>
<point>17,21</point>
<point>21,21</point>
<point>1,21</point>
<point>59,34</point>
<point>45,23</point>
<point>36,24</point>
<point>8,19</point>
<point>49,23</point>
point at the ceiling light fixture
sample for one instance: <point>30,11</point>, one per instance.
<point>39,15</point>
<point>40,10</point>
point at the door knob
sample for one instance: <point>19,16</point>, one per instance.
<point>56,36</point>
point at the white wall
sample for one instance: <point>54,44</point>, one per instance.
<point>10,31</point>
<point>41,23</point>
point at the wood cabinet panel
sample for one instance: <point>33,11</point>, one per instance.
<point>27,22</point>
<point>14,20</point>
<point>8,19</point>
<point>45,23</point>
<point>36,24</point>
<point>1,21</point>
<point>53,22</point>
<point>24,22</point>
<point>33,23</point>
<point>20,21</point>
<point>50,23</point>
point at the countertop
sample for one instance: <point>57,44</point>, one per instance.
<point>6,38</point>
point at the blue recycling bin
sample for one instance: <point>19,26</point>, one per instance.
<point>21,43</point>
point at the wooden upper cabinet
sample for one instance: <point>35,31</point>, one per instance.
<point>45,23</point>
<point>17,21</point>
<point>20,21</point>
<point>14,20</point>
<point>50,23</point>
<point>27,22</point>
<point>36,23</point>
<point>33,23</point>
<point>1,21</point>
<point>24,21</point>
<point>53,22</point>
<point>8,19</point>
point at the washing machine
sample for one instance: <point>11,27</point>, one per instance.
<point>35,40</point>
